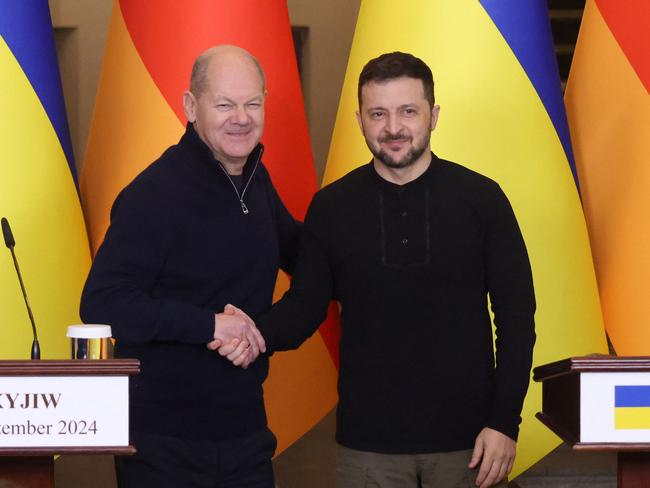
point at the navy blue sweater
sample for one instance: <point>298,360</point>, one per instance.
<point>179,248</point>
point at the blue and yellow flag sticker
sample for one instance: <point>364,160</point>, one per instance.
<point>632,407</point>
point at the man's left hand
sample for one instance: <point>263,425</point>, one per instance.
<point>239,351</point>
<point>496,453</point>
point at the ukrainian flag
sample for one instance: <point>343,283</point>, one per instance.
<point>632,407</point>
<point>502,115</point>
<point>37,187</point>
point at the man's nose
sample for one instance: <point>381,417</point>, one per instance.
<point>393,125</point>
<point>240,116</point>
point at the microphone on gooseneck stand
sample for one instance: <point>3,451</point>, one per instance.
<point>11,243</point>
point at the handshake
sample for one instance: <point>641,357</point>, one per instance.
<point>236,337</point>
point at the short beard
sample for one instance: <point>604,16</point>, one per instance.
<point>409,158</point>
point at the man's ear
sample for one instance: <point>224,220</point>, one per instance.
<point>435,112</point>
<point>189,105</point>
<point>359,121</point>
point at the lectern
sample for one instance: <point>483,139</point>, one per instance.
<point>60,407</point>
<point>601,403</point>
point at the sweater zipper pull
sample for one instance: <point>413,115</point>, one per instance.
<point>244,208</point>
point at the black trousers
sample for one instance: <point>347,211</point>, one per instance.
<point>169,462</point>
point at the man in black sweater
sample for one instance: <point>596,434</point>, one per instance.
<point>198,229</point>
<point>411,246</point>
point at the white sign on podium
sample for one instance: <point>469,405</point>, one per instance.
<point>615,407</point>
<point>64,411</point>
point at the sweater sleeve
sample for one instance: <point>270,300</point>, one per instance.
<point>119,288</point>
<point>289,232</point>
<point>510,287</point>
<point>299,313</point>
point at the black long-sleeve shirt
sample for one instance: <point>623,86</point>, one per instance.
<point>412,267</point>
<point>179,248</point>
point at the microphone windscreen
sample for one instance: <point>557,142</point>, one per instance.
<point>6,232</point>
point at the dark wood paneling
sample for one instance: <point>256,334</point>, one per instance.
<point>561,406</point>
<point>566,4</point>
<point>565,17</point>
<point>84,367</point>
<point>633,469</point>
<point>27,472</point>
<point>51,451</point>
<point>595,363</point>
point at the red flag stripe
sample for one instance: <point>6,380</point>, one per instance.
<point>622,19</point>
<point>168,40</point>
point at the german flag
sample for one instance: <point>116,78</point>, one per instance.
<point>608,105</point>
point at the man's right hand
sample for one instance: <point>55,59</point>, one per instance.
<point>495,453</point>
<point>236,337</point>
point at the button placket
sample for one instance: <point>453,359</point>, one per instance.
<point>401,198</point>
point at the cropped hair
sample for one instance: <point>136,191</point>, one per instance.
<point>390,66</point>
<point>198,78</point>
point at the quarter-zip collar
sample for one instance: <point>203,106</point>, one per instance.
<point>255,156</point>
<point>208,161</point>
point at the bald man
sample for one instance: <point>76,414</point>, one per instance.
<point>201,228</point>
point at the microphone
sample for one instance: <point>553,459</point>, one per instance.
<point>10,242</point>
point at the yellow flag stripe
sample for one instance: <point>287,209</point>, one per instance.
<point>632,418</point>
<point>38,196</point>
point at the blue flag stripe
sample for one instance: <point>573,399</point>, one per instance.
<point>527,30</point>
<point>26,27</point>
<point>632,396</point>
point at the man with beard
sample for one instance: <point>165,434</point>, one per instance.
<point>411,245</point>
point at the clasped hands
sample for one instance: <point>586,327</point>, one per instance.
<point>236,337</point>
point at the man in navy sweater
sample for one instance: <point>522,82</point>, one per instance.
<point>411,246</point>
<point>200,228</point>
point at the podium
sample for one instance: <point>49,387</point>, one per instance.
<point>55,407</point>
<point>601,403</point>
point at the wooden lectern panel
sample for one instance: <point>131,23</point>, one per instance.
<point>32,466</point>
<point>571,381</point>
<point>633,469</point>
<point>27,472</point>
<point>561,396</point>
<point>596,363</point>
<point>67,367</point>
